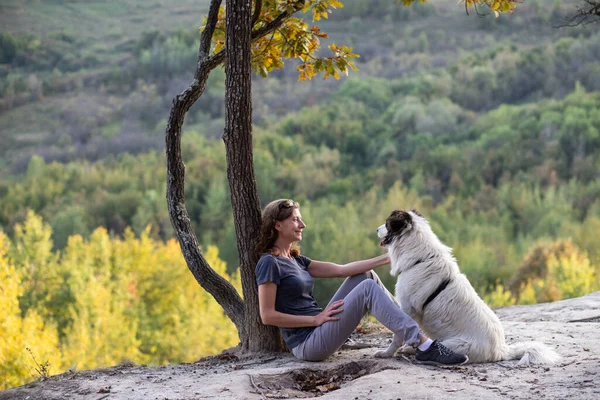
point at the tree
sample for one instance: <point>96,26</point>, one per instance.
<point>259,40</point>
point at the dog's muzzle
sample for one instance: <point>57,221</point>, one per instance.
<point>381,231</point>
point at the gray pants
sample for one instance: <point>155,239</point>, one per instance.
<point>361,293</point>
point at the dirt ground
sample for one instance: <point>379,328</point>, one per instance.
<point>569,326</point>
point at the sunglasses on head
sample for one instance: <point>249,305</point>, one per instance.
<point>287,204</point>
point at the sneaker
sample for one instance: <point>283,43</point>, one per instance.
<point>438,354</point>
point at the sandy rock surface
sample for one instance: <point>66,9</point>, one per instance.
<point>571,326</point>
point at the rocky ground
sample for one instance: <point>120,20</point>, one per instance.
<point>569,326</point>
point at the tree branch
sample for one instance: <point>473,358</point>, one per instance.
<point>256,14</point>
<point>587,13</point>
<point>209,29</point>
<point>267,46</point>
<point>257,34</point>
<point>592,8</point>
<point>268,28</point>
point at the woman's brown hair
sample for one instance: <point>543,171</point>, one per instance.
<point>277,210</point>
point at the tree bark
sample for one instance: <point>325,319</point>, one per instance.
<point>240,168</point>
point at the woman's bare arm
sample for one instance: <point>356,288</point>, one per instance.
<point>323,269</point>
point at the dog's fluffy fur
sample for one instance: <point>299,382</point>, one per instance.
<point>457,316</point>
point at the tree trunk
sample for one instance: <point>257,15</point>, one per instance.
<point>240,169</point>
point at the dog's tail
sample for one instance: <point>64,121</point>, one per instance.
<point>532,353</point>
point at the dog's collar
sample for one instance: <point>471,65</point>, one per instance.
<point>437,291</point>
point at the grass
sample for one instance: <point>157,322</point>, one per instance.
<point>92,21</point>
<point>33,124</point>
<point>42,369</point>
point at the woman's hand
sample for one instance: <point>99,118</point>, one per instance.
<point>327,314</point>
<point>386,259</point>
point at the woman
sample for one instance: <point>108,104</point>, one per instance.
<point>285,284</point>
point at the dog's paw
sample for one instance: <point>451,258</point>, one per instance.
<point>384,354</point>
<point>407,350</point>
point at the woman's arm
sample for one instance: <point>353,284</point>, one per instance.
<point>322,269</point>
<point>268,315</point>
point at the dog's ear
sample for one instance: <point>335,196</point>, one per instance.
<point>414,210</point>
<point>399,221</point>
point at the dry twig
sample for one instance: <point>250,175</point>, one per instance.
<point>256,387</point>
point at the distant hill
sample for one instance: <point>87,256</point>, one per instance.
<point>85,79</point>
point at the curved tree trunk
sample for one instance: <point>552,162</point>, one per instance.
<point>240,168</point>
<point>213,283</point>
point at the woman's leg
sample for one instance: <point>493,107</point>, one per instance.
<point>349,283</point>
<point>366,296</point>
<point>352,281</point>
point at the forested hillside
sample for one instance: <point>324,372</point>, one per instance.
<point>489,126</point>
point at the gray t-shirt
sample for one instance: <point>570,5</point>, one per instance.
<point>294,291</point>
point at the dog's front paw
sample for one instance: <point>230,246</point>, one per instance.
<point>407,350</point>
<point>384,354</point>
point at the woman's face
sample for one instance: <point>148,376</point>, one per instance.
<point>291,228</point>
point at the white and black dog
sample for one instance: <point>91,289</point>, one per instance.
<point>433,291</point>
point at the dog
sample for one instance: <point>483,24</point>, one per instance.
<point>432,290</point>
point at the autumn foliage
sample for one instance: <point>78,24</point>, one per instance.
<point>100,302</point>
<point>551,271</point>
